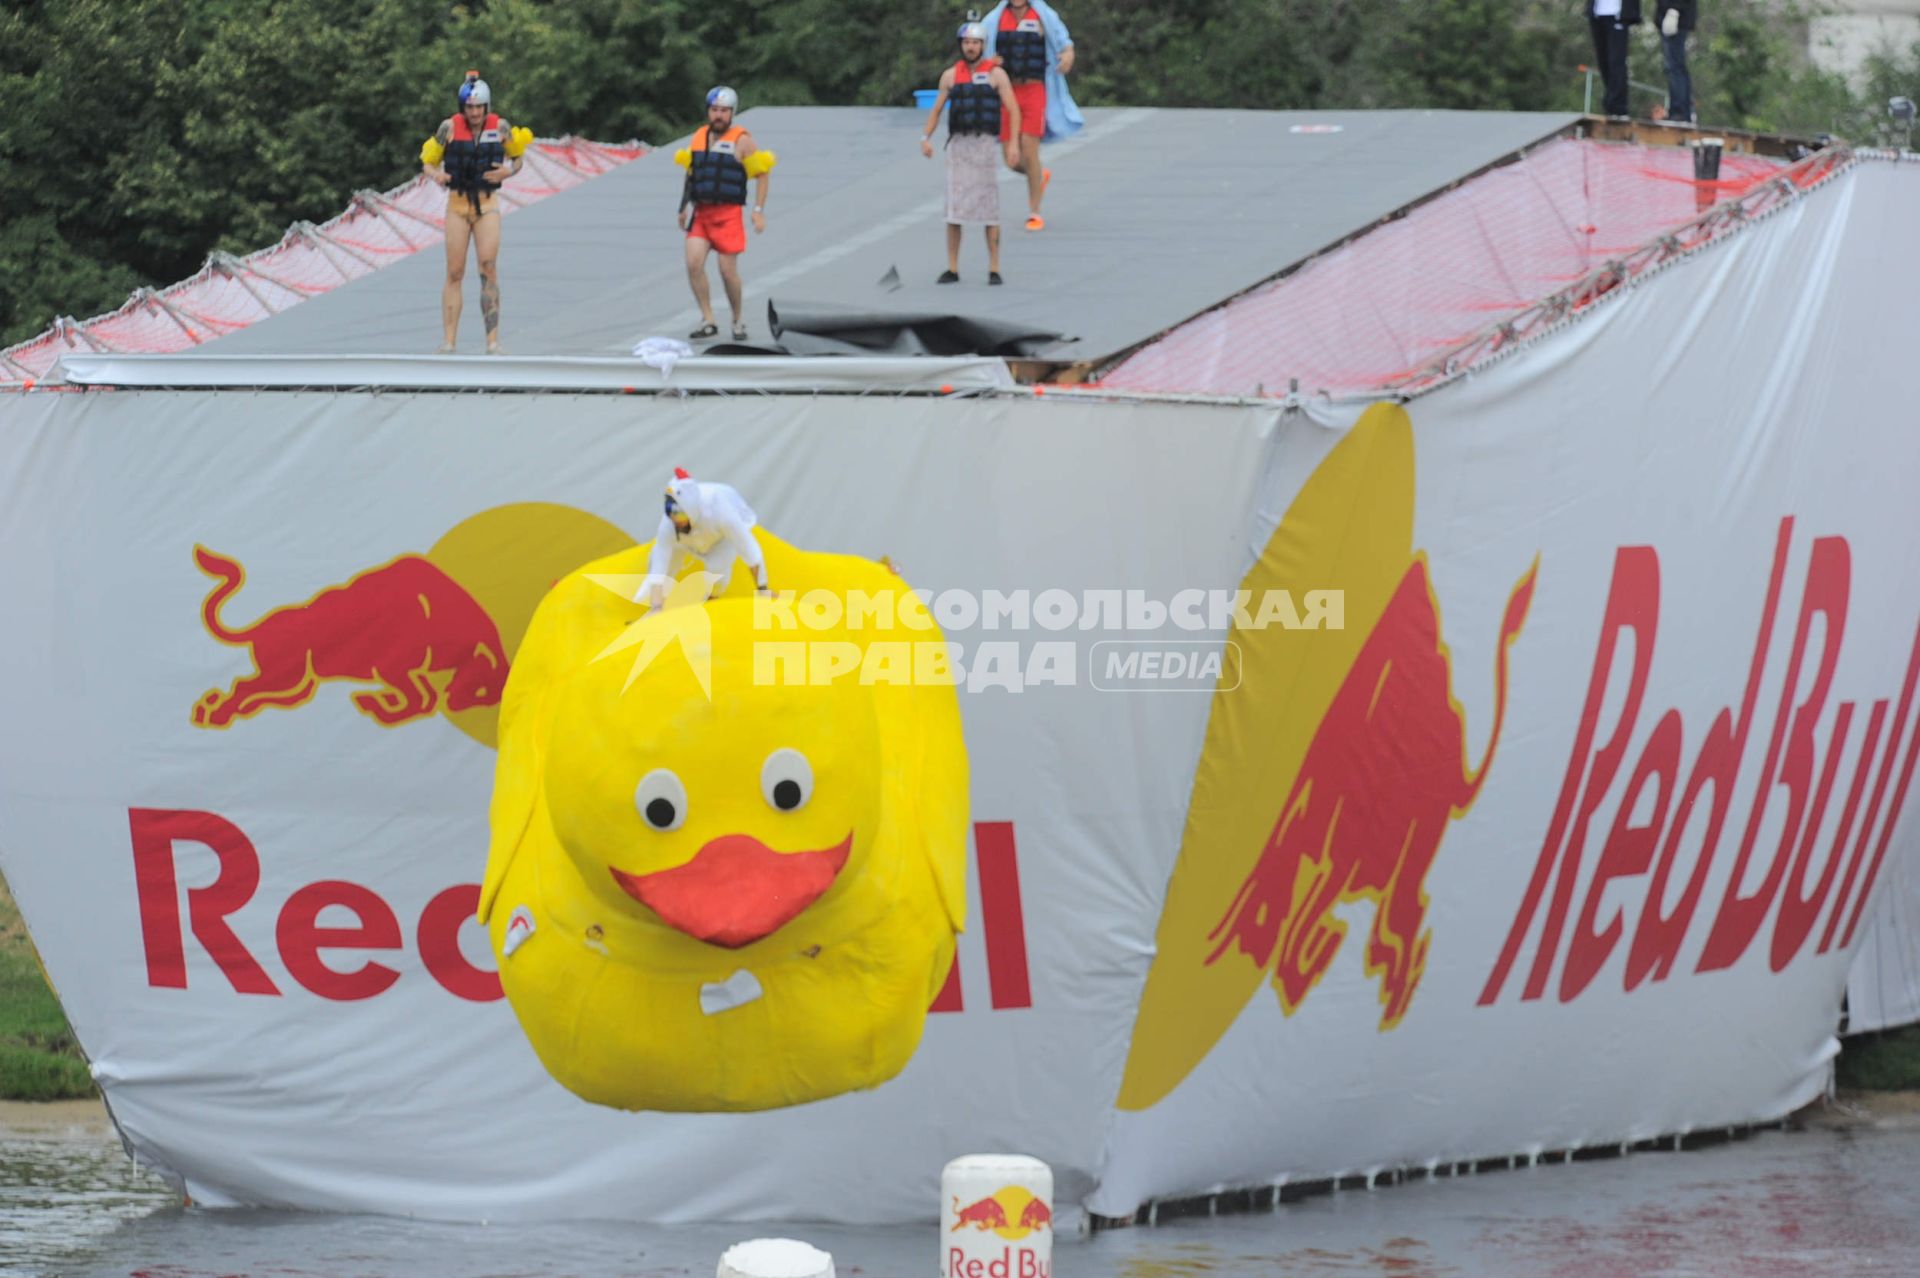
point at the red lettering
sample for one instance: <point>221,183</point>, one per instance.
<point>1799,911</point>
<point>155,831</point>
<point>1627,853</point>
<point>1001,916</point>
<point>1886,835</point>
<point>301,939</point>
<point>439,941</point>
<point>1873,811</point>
<point>1657,939</point>
<point>1633,603</point>
<point>1001,1268</point>
<point>948,999</point>
<point>1740,917</point>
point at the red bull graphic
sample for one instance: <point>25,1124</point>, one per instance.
<point>1011,1212</point>
<point>1007,1234</point>
<point>985,1214</point>
<point>421,634</point>
<point>406,627</point>
<point>1385,772</point>
<point>1642,912</point>
<point>1329,773</point>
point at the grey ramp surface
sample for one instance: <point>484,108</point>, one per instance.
<point>1152,217</point>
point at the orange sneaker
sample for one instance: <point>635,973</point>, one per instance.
<point>1036,223</point>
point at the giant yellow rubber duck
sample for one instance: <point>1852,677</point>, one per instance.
<point>713,885</point>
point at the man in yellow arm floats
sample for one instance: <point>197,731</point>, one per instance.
<point>719,160</point>
<point>471,155</point>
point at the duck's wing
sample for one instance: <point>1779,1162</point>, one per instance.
<point>936,785</point>
<point>574,622</point>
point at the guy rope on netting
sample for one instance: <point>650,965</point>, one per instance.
<point>1430,293</point>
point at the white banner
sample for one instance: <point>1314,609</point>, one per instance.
<point>1883,989</point>
<point>1229,686</point>
<point>1637,919</point>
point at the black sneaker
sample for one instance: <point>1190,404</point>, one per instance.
<point>947,277</point>
<point>993,277</point>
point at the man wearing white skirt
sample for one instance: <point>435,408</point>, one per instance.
<point>981,96</point>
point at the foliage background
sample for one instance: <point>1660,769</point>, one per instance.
<point>137,136</point>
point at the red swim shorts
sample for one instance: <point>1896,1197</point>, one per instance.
<point>1033,109</point>
<point>721,225</point>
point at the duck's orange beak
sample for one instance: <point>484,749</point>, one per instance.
<point>736,889</point>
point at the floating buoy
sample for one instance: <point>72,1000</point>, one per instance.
<point>775,1258</point>
<point>996,1217</point>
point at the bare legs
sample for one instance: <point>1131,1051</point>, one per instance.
<point>459,232</point>
<point>954,234</point>
<point>486,244</point>
<point>697,251</point>
<point>485,238</point>
<point>1036,175</point>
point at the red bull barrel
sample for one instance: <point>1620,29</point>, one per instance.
<point>996,1217</point>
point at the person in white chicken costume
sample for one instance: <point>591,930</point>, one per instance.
<point>705,521</point>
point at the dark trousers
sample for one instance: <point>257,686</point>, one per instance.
<point>1610,53</point>
<point>1679,83</point>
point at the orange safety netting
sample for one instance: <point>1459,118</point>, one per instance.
<point>1464,274</point>
<point>229,293</point>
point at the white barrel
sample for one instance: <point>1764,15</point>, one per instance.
<point>996,1217</point>
<point>775,1258</point>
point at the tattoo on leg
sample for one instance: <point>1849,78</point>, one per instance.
<point>490,304</point>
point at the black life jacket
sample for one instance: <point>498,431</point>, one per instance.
<point>469,157</point>
<point>717,175</point>
<point>1023,50</point>
<point>973,102</point>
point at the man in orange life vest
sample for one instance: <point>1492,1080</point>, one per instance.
<point>981,99</point>
<point>471,155</point>
<point>720,159</point>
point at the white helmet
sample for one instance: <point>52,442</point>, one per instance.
<point>972,31</point>
<point>475,90</point>
<point>725,97</point>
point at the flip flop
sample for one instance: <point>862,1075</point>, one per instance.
<point>705,331</point>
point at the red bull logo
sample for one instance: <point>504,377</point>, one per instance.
<point>1329,775</point>
<point>421,634</point>
<point>1007,1234</point>
<point>1012,1212</point>
<point>405,627</point>
<point>1353,828</point>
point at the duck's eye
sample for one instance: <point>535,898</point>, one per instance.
<point>662,800</point>
<point>786,780</point>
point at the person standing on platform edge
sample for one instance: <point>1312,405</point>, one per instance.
<point>1676,19</point>
<point>1032,44</point>
<point>1609,20</point>
<point>720,159</point>
<point>471,155</point>
<point>982,99</point>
